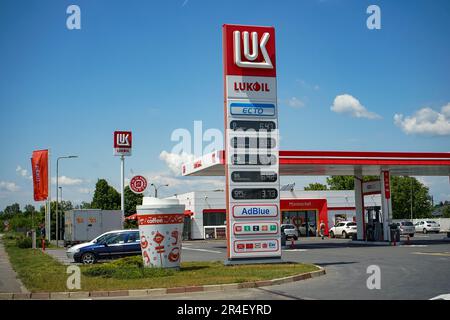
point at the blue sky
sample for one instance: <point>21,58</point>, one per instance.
<point>155,66</point>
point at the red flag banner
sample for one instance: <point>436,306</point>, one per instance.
<point>39,166</point>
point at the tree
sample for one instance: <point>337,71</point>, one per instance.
<point>11,210</point>
<point>341,182</point>
<point>446,212</point>
<point>346,182</point>
<point>316,187</point>
<point>401,188</point>
<point>105,196</point>
<point>131,201</point>
<point>29,209</point>
<point>83,205</point>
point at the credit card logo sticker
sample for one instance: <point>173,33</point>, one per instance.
<point>243,246</point>
<point>266,227</point>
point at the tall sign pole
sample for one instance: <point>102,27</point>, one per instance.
<point>123,142</point>
<point>251,146</point>
<point>122,184</point>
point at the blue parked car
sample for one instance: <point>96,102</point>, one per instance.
<point>110,245</point>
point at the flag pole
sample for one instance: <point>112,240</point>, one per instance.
<point>48,232</point>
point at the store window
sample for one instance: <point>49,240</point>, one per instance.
<point>214,219</point>
<point>214,224</point>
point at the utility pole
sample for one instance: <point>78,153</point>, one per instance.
<point>61,221</point>
<point>157,187</point>
<point>122,185</point>
<point>411,199</point>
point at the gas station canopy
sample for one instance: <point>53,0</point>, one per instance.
<point>337,163</point>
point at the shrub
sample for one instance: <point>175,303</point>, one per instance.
<point>12,236</point>
<point>25,242</point>
<point>126,268</point>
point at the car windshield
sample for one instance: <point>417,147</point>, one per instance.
<point>289,227</point>
<point>407,223</point>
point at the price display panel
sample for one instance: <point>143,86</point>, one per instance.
<point>257,126</point>
<point>254,159</point>
<point>251,142</point>
<point>254,194</point>
<point>254,176</point>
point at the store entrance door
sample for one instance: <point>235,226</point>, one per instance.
<point>304,220</point>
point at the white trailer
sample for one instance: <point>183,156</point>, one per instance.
<point>87,224</point>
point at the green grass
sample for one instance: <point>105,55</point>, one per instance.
<point>40,272</point>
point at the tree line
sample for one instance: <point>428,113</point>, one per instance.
<point>105,197</point>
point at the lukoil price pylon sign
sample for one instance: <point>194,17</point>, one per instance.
<point>251,146</point>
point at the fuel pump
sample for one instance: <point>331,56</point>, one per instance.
<point>374,225</point>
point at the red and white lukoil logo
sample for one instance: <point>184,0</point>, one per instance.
<point>251,86</point>
<point>252,56</point>
<point>249,50</point>
<point>122,139</point>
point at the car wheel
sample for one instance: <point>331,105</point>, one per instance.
<point>331,234</point>
<point>344,235</point>
<point>411,235</point>
<point>424,231</point>
<point>295,238</point>
<point>88,258</point>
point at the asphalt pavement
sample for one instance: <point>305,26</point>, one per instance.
<point>420,270</point>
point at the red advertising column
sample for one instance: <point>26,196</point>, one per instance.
<point>251,143</point>
<point>386,203</point>
<point>39,166</point>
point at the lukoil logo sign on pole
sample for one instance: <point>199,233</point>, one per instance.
<point>122,143</point>
<point>251,143</point>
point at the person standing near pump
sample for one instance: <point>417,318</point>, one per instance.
<point>322,229</point>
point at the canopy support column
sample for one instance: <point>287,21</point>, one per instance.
<point>359,205</point>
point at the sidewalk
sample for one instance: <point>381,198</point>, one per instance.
<point>8,277</point>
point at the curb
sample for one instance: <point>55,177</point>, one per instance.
<point>160,291</point>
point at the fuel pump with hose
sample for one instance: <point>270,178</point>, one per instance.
<point>374,225</point>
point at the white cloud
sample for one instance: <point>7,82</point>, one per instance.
<point>9,186</point>
<point>179,184</point>
<point>85,190</point>
<point>23,173</point>
<point>66,181</point>
<point>346,103</point>
<point>175,160</point>
<point>425,121</point>
<point>295,103</point>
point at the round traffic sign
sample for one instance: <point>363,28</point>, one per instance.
<point>138,184</point>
